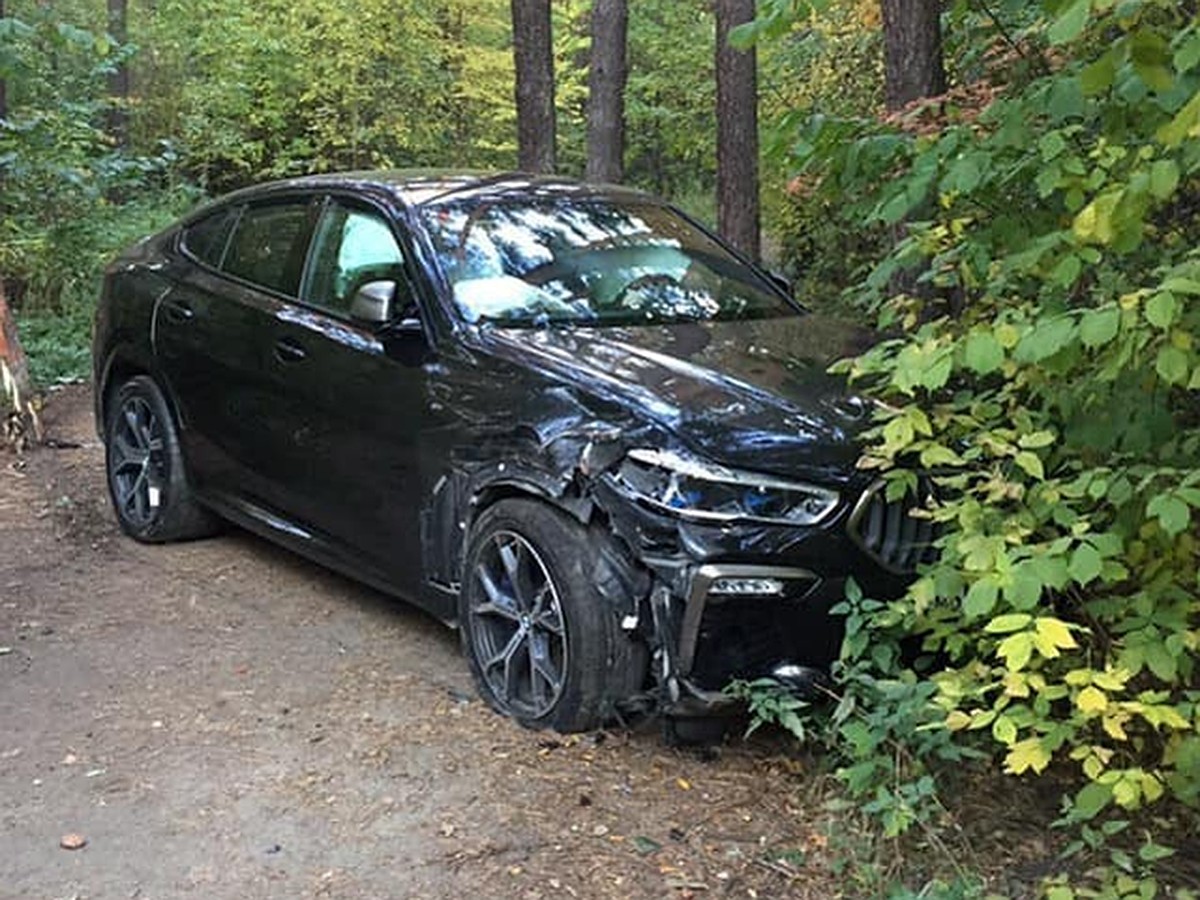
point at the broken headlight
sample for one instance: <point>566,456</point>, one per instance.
<point>699,490</point>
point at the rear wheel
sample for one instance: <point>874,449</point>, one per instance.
<point>146,477</point>
<point>544,646</point>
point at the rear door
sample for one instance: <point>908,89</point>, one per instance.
<point>214,339</point>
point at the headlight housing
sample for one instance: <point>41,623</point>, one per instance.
<point>698,490</point>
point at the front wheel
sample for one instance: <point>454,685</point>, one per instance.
<point>146,477</point>
<point>544,647</point>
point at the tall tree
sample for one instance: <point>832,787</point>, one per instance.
<point>737,131</point>
<point>533,58</point>
<point>912,50</point>
<point>3,84</point>
<point>607,71</point>
<point>118,78</point>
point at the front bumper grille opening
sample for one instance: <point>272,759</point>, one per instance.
<point>748,638</point>
<point>890,533</point>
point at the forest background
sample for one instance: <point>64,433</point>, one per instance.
<point>1021,224</point>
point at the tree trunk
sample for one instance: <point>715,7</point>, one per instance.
<point>737,132</point>
<point>3,84</point>
<point>912,51</point>
<point>533,57</point>
<point>118,78</point>
<point>607,70</point>
<point>14,370</point>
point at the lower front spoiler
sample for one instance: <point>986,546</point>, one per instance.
<point>694,701</point>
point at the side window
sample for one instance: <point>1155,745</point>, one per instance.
<point>268,246</point>
<point>351,247</point>
<point>206,239</point>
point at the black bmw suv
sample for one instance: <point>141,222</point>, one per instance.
<point>565,418</point>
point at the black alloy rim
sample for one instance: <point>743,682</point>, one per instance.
<point>516,626</point>
<point>136,462</point>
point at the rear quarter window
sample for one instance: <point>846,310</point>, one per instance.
<point>206,239</point>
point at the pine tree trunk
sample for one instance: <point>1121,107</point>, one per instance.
<point>912,51</point>
<point>533,58</point>
<point>607,70</point>
<point>118,78</point>
<point>737,132</point>
<point>3,84</point>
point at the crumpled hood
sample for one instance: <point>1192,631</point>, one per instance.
<point>754,395</point>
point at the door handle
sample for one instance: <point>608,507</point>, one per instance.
<point>289,351</point>
<point>179,311</point>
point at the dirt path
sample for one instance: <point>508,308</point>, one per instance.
<point>222,719</point>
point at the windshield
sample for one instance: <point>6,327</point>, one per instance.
<point>533,262</point>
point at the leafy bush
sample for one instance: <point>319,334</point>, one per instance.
<point>1047,375</point>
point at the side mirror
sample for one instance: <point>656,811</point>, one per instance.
<point>373,302</point>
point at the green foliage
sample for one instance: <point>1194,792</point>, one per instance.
<point>1045,370</point>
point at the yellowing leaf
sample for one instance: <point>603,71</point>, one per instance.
<point>1092,700</point>
<point>1114,727</point>
<point>1056,632</point>
<point>1016,650</point>
<point>957,720</point>
<point>1025,755</point>
<point>1031,463</point>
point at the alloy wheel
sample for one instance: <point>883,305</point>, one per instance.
<point>136,462</point>
<point>516,623</point>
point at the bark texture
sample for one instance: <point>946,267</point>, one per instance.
<point>607,71</point>
<point>737,132</point>
<point>912,51</point>
<point>14,377</point>
<point>118,78</point>
<point>533,58</point>
<point>3,84</point>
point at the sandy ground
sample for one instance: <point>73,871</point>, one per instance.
<point>222,719</point>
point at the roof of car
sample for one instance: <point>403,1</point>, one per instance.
<point>418,187</point>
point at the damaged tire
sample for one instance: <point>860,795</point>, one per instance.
<point>146,476</point>
<point>544,646</point>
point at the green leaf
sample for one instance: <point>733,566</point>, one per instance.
<point>1185,124</point>
<point>1070,24</point>
<point>1026,588</point>
<point>1164,178</point>
<point>1187,54</point>
<point>983,353</point>
<point>1161,309</point>
<point>1099,326</point>
<point>1067,271</point>
<point>1045,339</point>
<point>1172,513</point>
<point>1085,564</point>
<point>1008,623</point>
<point>1035,440</point>
<point>981,598</point>
<point>937,455</point>
<point>1097,77</point>
<point>1004,730</point>
<point>1179,285</point>
<point>1091,799</point>
<point>1031,464</point>
<point>1172,365</point>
